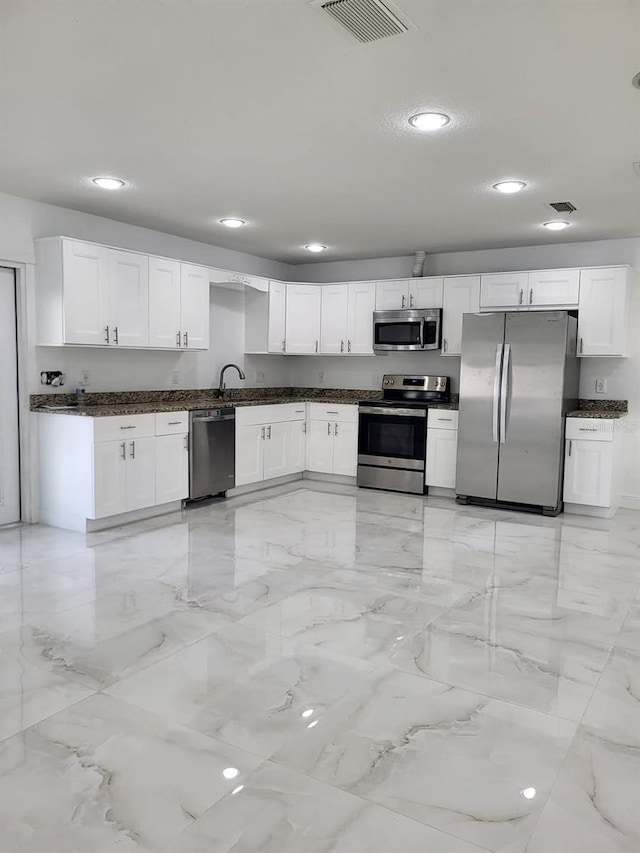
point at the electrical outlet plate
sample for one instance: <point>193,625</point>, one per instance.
<point>601,386</point>
<point>259,377</point>
<point>175,377</point>
<point>321,375</point>
<point>85,379</point>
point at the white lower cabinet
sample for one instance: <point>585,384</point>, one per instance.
<point>124,476</point>
<point>345,449</point>
<point>592,466</point>
<point>332,439</point>
<point>320,447</point>
<point>442,446</point>
<point>249,454</point>
<point>268,450</point>
<point>172,468</point>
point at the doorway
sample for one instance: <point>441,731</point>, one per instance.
<point>9,423</point>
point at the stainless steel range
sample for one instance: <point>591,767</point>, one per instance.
<point>392,432</point>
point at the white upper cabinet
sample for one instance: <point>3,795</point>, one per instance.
<point>84,279</point>
<point>461,296</point>
<point>194,306</point>
<point>128,298</point>
<point>164,303</point>
<point>503,290</point>
<point>277,303</point>
<point>303,318</point>
<point>425,292</point>
<point>603,315</point>
<point>334,318</point>
<point>553,288</point>
<point>362,297</point>
<point>394,295</point>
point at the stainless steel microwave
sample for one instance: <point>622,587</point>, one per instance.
<point>413,329</point>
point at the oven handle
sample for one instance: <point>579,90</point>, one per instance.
<point>383,410</point>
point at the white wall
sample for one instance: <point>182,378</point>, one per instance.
<point>367,371</point>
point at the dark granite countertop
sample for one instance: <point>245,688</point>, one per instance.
<point>606,409</point>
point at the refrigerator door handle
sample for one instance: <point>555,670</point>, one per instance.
<point>496,393</point>
<point>504,392</point>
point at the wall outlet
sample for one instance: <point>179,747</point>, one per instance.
<point>259,377</point>
<point>375,380</point>
<point>85,379</point>
<point>321,376</point>
<point>601,386</point>
<point>175,377</point>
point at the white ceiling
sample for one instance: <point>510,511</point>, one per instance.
<point>268,110</point>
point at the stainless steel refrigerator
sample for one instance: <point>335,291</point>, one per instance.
<point>518,378</point>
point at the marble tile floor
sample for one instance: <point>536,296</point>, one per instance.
<point>321,668</point>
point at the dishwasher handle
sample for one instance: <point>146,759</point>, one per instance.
<point>214,419</point>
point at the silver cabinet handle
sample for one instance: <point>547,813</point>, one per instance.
<point>335,429</point>
<point>186,442</point>
<point>123,450</point>
<point>331,412</point>
<point>186,339</point>
<point>299,411</point>
<point>581,344</point>
<point>316,346</point>
<point>588,429</point>
<point>128,427</point>
<point>269,433</point>
<point>174,423</point>
<point>411,300</point>
<point>304,427</point>
<point>328,428</point>
<point>520,297</point>
<point>341,346</point>
<point>570,443</point>
<point>531,296</point>
<point>349,346</point>
<point>444,419</point>
<point>444,345</point>
<point>133,450</point>
<point>404,299</point>
<point>262,433</point>
<point>106,331</point>
<point>115,335</point>
<point>177,339</point>
<point>284,346</point>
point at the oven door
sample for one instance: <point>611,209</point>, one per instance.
<point>392,437</point>
<point>398,333</point>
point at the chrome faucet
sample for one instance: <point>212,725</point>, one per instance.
<point>221,385</point>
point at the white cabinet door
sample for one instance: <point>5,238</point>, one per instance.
<point>85,270</point>
<point>296,445</point>
<point>461,296</point>
<point>333,322</point>
<point>392,295</point>
<point>303,318</point>
<point>345,449</point>
<point>250,443</point>
<point>320,446</point>
<point>141,473</point>
<point>109,478</point>
<point>551,288</point>
<point>172,468</point>
<point>362,302</point>
<point>275,451</point>
<point>503,290</point>
<point>129,298</point>
<point>603,312</point>
<point>441,458</point>
<point>425,292</point>
<point>194,306</point>
<point>277,309</point>
<point>164,303</point>
<point>588,472</point>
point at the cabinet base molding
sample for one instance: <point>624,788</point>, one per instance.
<point>630,502</point>
<point>70,521</point>
<point>263,484</point>
<point>440,492</point>
<point>340,479</point>
<point>592,511</point>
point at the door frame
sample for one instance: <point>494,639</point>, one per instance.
<point>25,332</point>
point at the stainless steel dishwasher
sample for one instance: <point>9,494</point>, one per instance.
<point>212,461</point>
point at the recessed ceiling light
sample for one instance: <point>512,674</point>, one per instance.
<point>230,772</point>
<point>528,793</point>
<point>509,187</point>
<point>636,80</point>
<point>108,183</point>
<point>232,222</point>
<point>429,121</point>
<point>315,247</point>
<point>556,224</point>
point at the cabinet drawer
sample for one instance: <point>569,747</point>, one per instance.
<point>123,426</point>
<point>590,429</point>
<point>273,414</point>
<point>442,419</point>
<point>170,423</point>
<point>341,412</point>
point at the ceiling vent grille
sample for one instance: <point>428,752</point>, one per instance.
<point>563,206</point>
<point>366,20</point>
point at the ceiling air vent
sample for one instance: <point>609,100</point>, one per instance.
<point>366,20</point>
<point>563,206</point>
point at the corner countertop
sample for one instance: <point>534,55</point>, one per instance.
<point>605,409</point>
